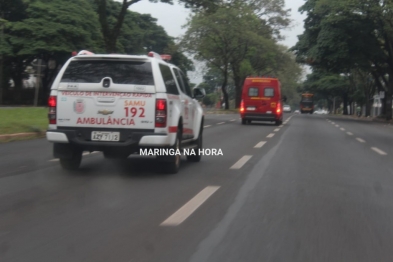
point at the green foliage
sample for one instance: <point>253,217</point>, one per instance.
<point>211,99</point>
<point>51,30</point>
<point>52,26</point>
<point>343,36</point>
<point>238,39</point>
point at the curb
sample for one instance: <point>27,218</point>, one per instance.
<point>368,119</point>
<point>21,135</point>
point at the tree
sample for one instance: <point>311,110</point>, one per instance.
<point>342,36</point>
<point>111,28</point>
<point>50,30</point>
<point>223,39</point>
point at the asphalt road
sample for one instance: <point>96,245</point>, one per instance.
<point>318,188</point>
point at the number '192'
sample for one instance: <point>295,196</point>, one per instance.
<point>133,111</point>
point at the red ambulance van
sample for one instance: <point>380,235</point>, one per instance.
<point>261,100</point>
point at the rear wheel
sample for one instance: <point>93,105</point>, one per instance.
<point>172,163</point>
<point>197,157</point>
<point>244,121</point>
<point>72,163</point>
<point>278,122</point>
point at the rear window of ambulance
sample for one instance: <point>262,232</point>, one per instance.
<point>121,72</point>
<point>253,92</point>
<point>268,92</point>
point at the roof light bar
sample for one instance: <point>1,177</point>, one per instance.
<point>85,52</point>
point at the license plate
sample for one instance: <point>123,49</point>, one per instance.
<point>251,108</point>
<point>105,136</point>
<point>268,112</point>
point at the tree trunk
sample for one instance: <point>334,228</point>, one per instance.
<point>111,35</point>
<point>388,98</point>
<point>368,107</point>
<point>345,103</point>
<point>238,88</point>
<point>224,89</point>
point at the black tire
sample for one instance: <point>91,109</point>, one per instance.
<point>248,121</point>
<point>197,157</point>
<point>172,165</point>
<point>71,163</point>
<point>278,122</point>
<point>244,121</point>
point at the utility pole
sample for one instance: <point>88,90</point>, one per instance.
<point>37,81</point>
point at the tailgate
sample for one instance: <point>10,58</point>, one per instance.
<point>105,109</point>
<point>256,102</point>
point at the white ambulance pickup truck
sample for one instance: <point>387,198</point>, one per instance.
<point>121,104</point>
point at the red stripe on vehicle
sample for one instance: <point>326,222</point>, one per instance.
<point>172,129</point>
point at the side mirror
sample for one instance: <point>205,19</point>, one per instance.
<point>199,92</point>
<point>284,99</point>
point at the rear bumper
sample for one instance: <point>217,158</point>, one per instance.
<point>261,116</point>
<point>129,138</point>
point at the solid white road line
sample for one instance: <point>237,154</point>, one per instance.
<point>379,151</point>
<point>206,126</point>
<point>277,129</point>
<point>270,135</point>
<point>360,140</point>
<point>241,162</point>
<point>349,133</point>
<point>185,211</point>
<point>220,123</point>
<point>260,144</point>
<point>342,129</point>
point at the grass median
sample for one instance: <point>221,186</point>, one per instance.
<point>23,120</point>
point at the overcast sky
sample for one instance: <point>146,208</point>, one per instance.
<point>173,17</point>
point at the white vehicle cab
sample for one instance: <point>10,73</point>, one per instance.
<point>120,104</point>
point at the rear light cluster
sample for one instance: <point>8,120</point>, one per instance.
<point>161,113</point>
<point>52,103</point>
<point>242,106</point>
<point>278,109</point>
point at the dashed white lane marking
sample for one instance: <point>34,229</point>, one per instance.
<point>206,126</point>
<point>270,135</point>
<point>337,126</point>
<point>333,123</point>
<point>280,126</point>
<point>342,129</point>
<point>360,140</point>
<point>190,207</point>
<point>233,120</point>
<point>53,160</point>
<point>349,133</point>
<point>277,129</point>
<point>379,151</point>
<point>241,162</point>
<point>220,123</point>
<point>260,144</point>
